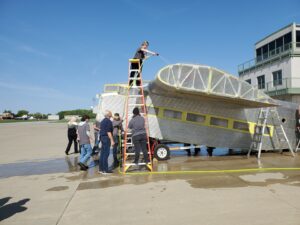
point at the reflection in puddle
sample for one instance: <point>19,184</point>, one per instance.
<point>60,165</point>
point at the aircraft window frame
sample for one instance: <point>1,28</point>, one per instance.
<point>177,115</point>
<point>215,121</point>
<point>193,117</point>
<point>238,125</point>
<point>266,132</point>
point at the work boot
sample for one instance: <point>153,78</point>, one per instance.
<point>210,151</point>
<point>197,150</point>
<point>188,151</point>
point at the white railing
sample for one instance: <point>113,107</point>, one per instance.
<point>287,48</point>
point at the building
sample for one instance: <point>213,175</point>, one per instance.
<point>53,117</point>
<point>276,66</point>
<point>4,116</point>
<point>68,117</point>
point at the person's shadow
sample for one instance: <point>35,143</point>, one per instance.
<point>11,209</point>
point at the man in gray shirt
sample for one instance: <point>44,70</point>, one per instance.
<point>139,136</point>
<point>84,136</point>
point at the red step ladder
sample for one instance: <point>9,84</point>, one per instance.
<point>135,98</point>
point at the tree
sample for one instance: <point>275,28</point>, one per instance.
<point>38,115</point>
<point>7,111</point>
<point>22,112</point>
<point>79,112</point>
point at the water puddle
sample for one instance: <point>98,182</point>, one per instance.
<point>59,165</point>
<point>58,188</point>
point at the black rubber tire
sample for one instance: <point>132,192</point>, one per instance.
<point>161,152</point>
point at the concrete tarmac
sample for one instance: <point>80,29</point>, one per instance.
<point>40,185</point>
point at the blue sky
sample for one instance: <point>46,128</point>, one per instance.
<point>57,55</point>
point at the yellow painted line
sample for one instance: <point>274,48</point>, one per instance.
<point>210,171</point>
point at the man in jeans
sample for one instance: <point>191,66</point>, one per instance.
<point>107,141</point>
<point>139,136</point>
<point>84,136</point>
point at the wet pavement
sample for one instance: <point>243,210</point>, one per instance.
<point>178,163</point>
<point>43,186</point>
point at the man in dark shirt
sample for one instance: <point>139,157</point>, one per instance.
<point>141,54</point>
<point>107,141</point>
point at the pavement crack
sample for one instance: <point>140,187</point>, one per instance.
<point>67,205</point>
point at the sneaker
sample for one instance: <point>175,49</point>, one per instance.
<point>82,166</point>
<point>109,172</point>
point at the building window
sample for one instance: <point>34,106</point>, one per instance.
<point>272,48</point>
<point>287,41</point>
<point>265,51</point>
<point>248,81</point>
<point>258,55</point>
<point>172,114</point>
<point>195,118</point>
<point>277,78</point>
<point>153,110</point>
<point>218,122</point>
<point>261,82</point>
<point>279,44</point>
<point>240,126</point>
<point>298,38</point>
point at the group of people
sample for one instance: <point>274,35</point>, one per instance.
<point>107,132</point>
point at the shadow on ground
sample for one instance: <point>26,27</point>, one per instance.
<point>9,210</point>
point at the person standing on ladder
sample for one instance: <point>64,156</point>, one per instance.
<point>139,135</point>
<point>141,54</point>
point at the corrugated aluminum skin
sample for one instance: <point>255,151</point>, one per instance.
<point>177,95</point>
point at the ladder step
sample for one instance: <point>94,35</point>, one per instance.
<point>140,164</point>
<point>134,70</point>
<point>136,104</point>
<point>136,87</point>
<point>133,78</point>
<point>140,114</point>
<point>129,144</point>
<point>135,96</point>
